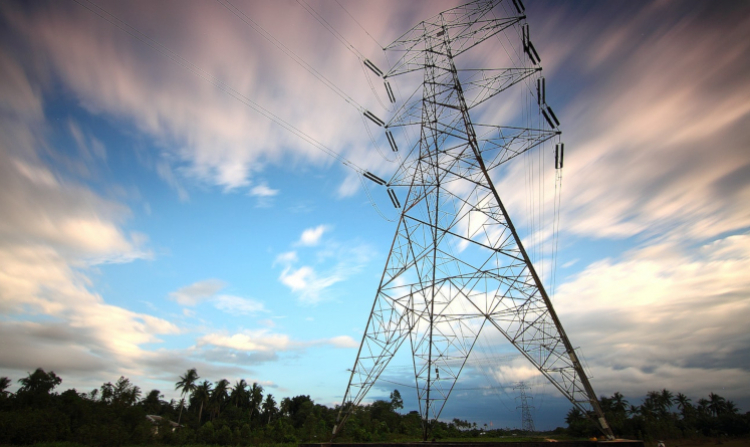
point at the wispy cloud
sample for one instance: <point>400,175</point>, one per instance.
<point>197,292</point>
<point>262,190</point>
<point>263,340</point>
<point>311,236</point>
<point>208,291</point>
<point>238,305</point>
<point>663,315</point>
<point>642,137</point>
<point>209,135</point>
<point>307,281</point>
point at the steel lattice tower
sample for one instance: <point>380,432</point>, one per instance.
<point>457,265</point>
<point>527,422</point>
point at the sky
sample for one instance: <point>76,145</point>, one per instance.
<point>154,221</point>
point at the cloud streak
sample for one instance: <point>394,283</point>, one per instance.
<point>661,315</point>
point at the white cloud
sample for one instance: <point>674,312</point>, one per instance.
<point>311,236</point>
<point>286,258</point>
<point>664,316</point>
<point>197,292</point>
<point>298,279</point>
<point>209,135</point>
<point>258,340</point>
<point>311,284</point>
<point>237,305</point>
<point>262,190</point>
<point>343,341</point>
<point>207,291</point>
<point>53,230</point>
<point>262,340</point>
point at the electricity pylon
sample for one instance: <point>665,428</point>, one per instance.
<point>457,265</point>
<point>527,422</point>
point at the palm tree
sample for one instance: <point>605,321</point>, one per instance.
<point>730,407</point>
<point>269,407</point>
<point>256,398</point>
<point>683,403</point>
<point>239,393</point>
<point>666,399</point>
<point>219,396</point>
<point>716,404</point>
<point>634,411</point>
<point>619,404</point>
<point>202,393</point>
<point>187,385</point>
<point>703,406</point>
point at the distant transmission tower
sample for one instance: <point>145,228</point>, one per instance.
<point>457,266</point>
<point>527,422</point>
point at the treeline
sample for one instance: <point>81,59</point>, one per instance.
<point>664,415</point>
<point>243,414</point>
<point>221,413</point>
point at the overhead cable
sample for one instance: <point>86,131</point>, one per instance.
<point>269,37</point>
<point>195,70</point>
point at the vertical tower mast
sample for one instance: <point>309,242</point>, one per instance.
<point>457,265</point>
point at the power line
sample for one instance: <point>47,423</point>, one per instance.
<point>310,69</point>
<point>195,70</point>
<point>328,83</point>
<point>360,25</point>
<point>332,30</point>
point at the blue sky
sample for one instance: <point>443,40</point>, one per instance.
<point>152,223</point>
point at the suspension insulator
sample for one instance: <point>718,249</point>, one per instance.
<point>552,114</point>
<point>394,199</point>
<point>539,92</point>
<point>525,38</point>
<point>559,152</point>
<point>391,140</point>
<point>562,154</point>
<point>388,90</point>
<point>374,118</point>
<point>374,178</point>
<point>549,120</point>
<point>531,51</point>
<point>372,67</point>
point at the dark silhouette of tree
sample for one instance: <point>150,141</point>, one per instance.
<point>219,396</point>
<point>113,416</point>
<point>186,385</point>
<point>239,395</point>
<point>730,408</point>
<point>702,407</point>
<point>716,404</point>
<point>153,402</point>
<point>619,404</point>
<point>4,384</point>
<point>269,408</point>
<point>256,399</point>
<point>202,394</point>
<point>683,403</point>
<point>666,400</point>
<point>39,382</point>
<point>397,402</point>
